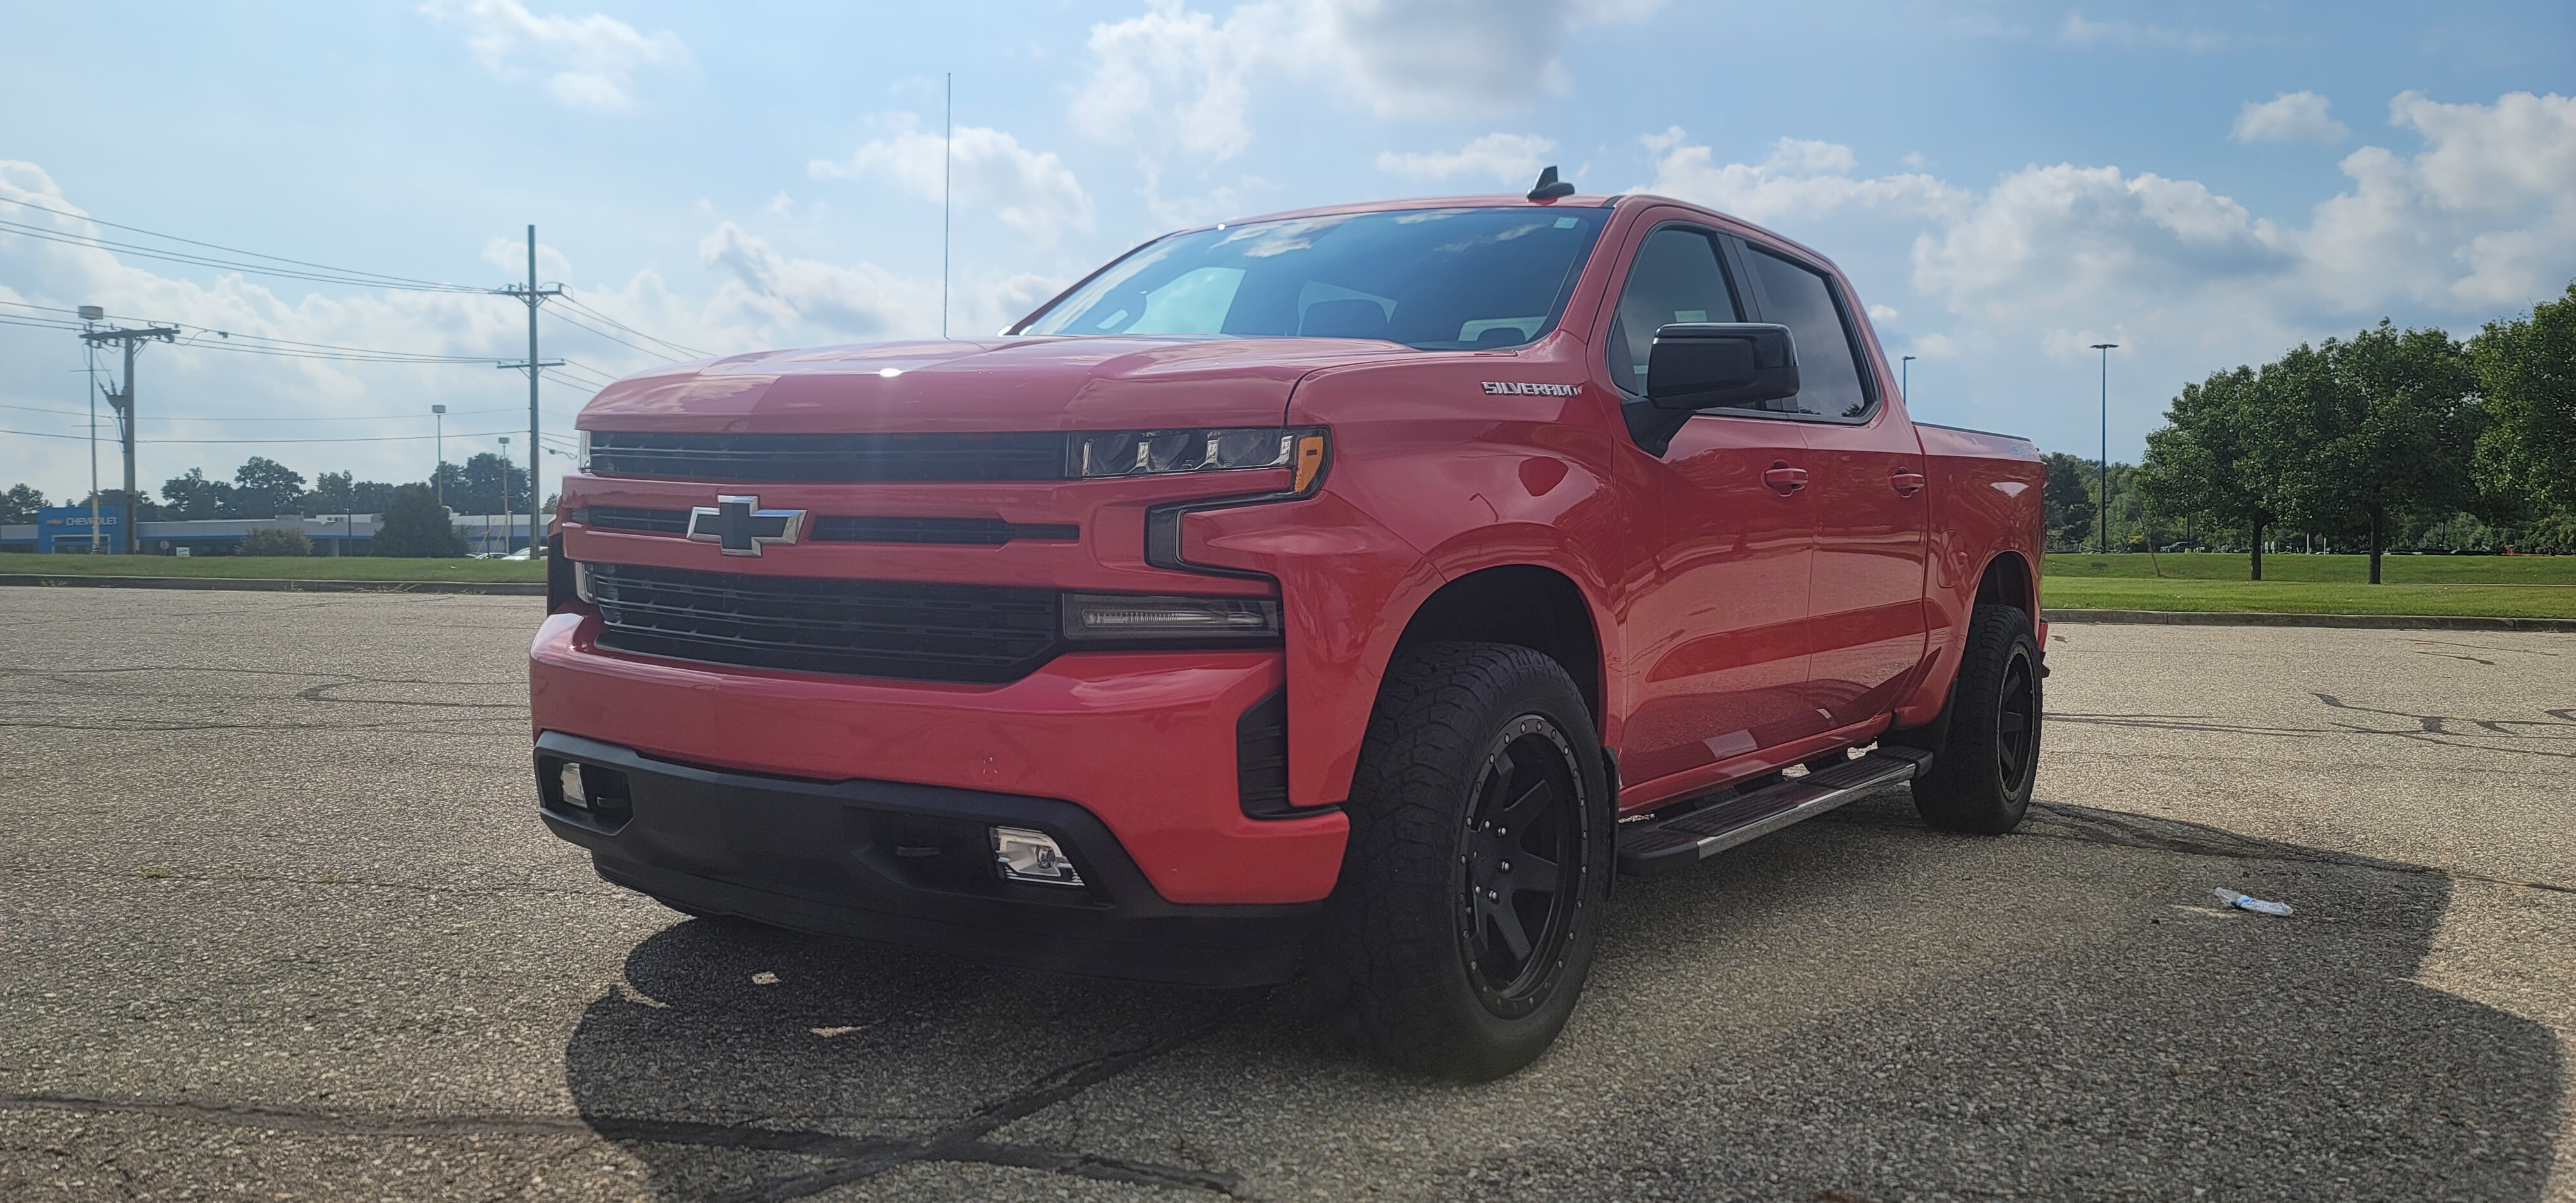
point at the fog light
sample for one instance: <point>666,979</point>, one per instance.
<point>572,791</point>
<point>1027,855</point>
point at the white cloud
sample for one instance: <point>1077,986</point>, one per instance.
<point>589,62</point>
<point>2474,217</point>
<point>1031,191</point>
<point>863,301</point>
<point>2077,30</point>
<point>207,387</point>
<point>2288,117</point>
<point>1509,158</point>
<point>1179,78</point>
<point>1799,178</point>
<point>2484,216</point>
<point>1882,313</point>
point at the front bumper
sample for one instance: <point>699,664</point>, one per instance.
<point>1143,741</point>
<point>906,864</point>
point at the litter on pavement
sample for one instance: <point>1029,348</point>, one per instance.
<point>2246,902</point>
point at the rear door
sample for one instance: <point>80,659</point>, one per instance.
<point>1718,633</point>
<point>1866,492</point>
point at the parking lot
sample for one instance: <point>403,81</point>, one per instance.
<point>277,920</point>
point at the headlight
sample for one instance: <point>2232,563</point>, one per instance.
<point>1127,616</point>
<point>1170,452</point>
<point>582,457</point>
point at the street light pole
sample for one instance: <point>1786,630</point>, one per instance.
<point>505,491</point>
<point>438,470</point>
<point>1905,377</point>
<point>2102,519</point>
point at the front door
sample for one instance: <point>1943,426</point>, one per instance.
<point>1866,484</point>
<point>1719,632</point>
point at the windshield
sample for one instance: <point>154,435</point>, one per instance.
<point>1437,279</point>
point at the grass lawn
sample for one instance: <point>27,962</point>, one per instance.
<point>2500,586</point>
<point>301,568</point>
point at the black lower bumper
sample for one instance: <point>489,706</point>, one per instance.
<point>905,864</point>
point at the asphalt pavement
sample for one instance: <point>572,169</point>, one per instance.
<point>278,921</point>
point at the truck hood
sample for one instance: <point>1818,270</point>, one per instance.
<point>1107,383</point>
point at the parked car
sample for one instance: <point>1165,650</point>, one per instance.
<point>1359,587</point>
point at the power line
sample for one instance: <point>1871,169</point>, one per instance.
<point>388,438</point>
<point>562,316</point>
<point>346,273</point>
<point>282,346</point>
<point>693,351</point>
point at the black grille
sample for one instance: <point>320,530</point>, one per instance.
<point>829,457</point>
<point>971,633</point>
<point>651,522</point>
<point>988,532</point>
<point>991,531</point>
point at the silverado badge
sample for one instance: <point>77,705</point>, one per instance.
<point>739,526</point>
<point>1530,388</point>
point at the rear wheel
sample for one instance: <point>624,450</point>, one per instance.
<point>1988,758</point>
<point>1473,886</point>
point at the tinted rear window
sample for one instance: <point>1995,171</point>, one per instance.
<point>1437,279</point>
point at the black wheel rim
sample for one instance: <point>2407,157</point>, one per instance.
<point>1521,866</point>
<point>2017,726</point>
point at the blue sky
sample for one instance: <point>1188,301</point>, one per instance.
<point>2005,183</point>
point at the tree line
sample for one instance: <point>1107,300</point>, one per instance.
<point>414,523</point>
<point>2389,438</point>
<point>264,488</point>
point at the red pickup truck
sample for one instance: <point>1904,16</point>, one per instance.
<point>1361,587</point>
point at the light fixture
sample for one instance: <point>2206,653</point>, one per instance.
<point>1113,617</point>
<point>1173,452</point>
<point>1026,855</point>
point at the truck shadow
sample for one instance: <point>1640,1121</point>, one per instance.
<point>1926,1036</point>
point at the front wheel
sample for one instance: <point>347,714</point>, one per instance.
<point>1478,866</point>
<point>1988,758</point>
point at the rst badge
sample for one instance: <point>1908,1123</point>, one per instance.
<point>739,527</point>
<point>1528,389</point>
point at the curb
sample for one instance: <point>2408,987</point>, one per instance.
<point>2379,622</point>
<point>258,585</point>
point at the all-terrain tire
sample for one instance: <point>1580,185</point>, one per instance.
<point>1452,960</point>
<point>1988,756</point>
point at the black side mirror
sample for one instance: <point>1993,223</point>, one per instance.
<point>1698,365</point>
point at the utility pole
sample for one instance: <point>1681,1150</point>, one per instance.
<point>90,316</point>
<point>123,402</point>
<point>1905,378</point>
<point>534,297</point>
<point>438,435</point>
<point>2102,519</point>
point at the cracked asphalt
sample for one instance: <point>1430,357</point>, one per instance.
<point>277,920</point>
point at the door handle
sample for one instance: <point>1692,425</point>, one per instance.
<point>1785,478</point>
<point>1906,484</point>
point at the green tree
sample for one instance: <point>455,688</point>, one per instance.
<point>265,488</point>
<point>416,525</point>
<point>476,487</point>
<point>275,541</point>
<point>194,498</point>
<point>2209,459</point>
<point>18,506</point>
<point>344,493</point>
<point>2526,370</point>
<point>2067,499</point>
<point>2384,428</point>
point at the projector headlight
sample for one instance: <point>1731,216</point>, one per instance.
<point>1128,617</point>
<point>1171,452</point>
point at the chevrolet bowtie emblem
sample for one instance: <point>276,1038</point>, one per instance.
<point>739,526</point>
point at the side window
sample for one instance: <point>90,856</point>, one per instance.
<point>1829,382</point>
<point>1676,279</point>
